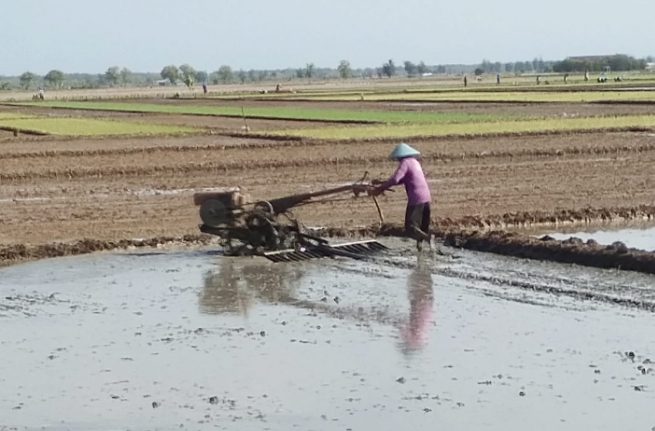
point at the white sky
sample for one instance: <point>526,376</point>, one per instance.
<point>145,35</point>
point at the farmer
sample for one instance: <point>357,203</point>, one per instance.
<point>410,173</point>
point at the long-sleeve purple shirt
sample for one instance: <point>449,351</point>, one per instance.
<point>410,173</point>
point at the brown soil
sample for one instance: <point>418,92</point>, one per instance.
<point>15,253</point>
<point>112,189</point>
<point>6,134</point>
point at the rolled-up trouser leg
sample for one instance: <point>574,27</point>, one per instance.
<point>417,222</point>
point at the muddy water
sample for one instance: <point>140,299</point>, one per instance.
<point>196,341</point>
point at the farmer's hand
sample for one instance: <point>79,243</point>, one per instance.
<point>376,191</point>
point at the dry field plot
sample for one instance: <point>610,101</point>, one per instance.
<point>48,197</point>
<point>65,187</point>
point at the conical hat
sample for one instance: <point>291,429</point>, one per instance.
<point>403,150</point>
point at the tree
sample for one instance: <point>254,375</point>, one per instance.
<point>410,68</point>
<point>112,75</point>
<point>126,76</point>
<point>243,76</point>
<point>4,86</point>
<point>309,71</point>
<point>389,68</point>
<point>55,78</point>
<point>252,75</point>
<point>509,67</point>
<point>26,79</point>
<point>479,71</point>
<point>224,74</point>
<point>172,73</point>
<point>300,73</point>
<point>487,66</point>
<point>422,68</point>
<point>345,71</point>
<point>201,76</point>
<point>188,74</point>
<point>441,69</point>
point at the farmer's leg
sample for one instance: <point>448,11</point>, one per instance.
<point>415,222</point>
<point>409,214</point>
<point>425,224</point>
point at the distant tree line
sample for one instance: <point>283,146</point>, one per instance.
<point>618,63</point>
<point>189,76</point>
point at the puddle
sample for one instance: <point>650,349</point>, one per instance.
<point>191,340</point>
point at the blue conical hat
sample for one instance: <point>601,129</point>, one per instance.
<point>403,150</point>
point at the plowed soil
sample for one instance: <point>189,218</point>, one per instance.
<point>68,189</point>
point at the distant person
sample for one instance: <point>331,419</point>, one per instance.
<point>410,173</point>
<point>204,87</point>
<point>466,81</point>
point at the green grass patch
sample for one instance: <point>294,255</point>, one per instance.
<point>90,126</point>
<point>498,96</point>
<point>401,131</point>
<point>289,113</point>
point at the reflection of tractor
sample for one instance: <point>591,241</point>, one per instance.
<point>239,284</point>
<point>266,228</point>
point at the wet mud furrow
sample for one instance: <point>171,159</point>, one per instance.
<point>20,252</point>
<point>571,251</point>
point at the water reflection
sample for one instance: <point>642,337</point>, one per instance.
<point>239,283</point>
<point>421,302</point>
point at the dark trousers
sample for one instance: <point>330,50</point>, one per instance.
<point>417,222</point>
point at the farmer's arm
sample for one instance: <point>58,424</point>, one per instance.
<point>395,179</point>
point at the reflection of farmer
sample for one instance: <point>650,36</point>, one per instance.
<point>421,302</point>
<point>410,173</point>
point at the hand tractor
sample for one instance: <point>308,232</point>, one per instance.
<point>267,228</point>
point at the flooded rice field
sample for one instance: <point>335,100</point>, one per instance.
<point>194,340</point>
